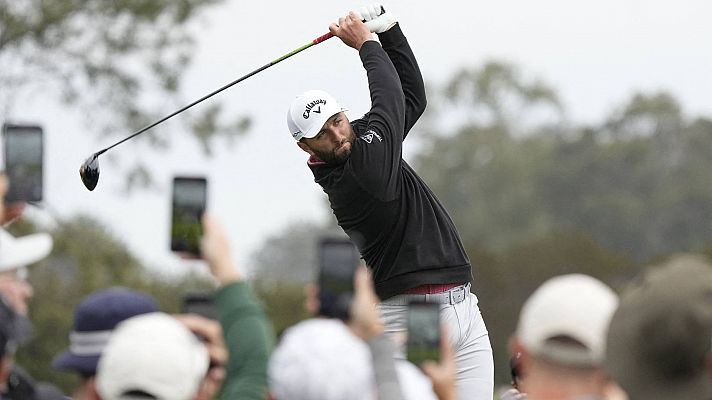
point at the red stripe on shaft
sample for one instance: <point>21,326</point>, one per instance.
<point>322,38</point>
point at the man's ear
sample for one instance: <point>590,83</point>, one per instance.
<point>516,348</point>
<point>305,148</point>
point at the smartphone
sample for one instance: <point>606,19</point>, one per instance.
<point>23,146</point>
<point>423,332</point>
<point>188,205</point>
<point>338,259</point>
<point>200,303</point>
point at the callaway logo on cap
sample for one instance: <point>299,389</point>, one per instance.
<point>309,111</point>
<point>311,105</point>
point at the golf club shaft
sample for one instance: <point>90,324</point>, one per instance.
<point>271,63</point>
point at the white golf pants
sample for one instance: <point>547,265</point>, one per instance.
<point>468,336</point>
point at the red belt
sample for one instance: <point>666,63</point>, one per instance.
<point>429,289</point>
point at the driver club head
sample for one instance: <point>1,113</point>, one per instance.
<point>89,171</point>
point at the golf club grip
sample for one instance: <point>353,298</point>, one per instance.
<point>330,35</point>
<point>323,38</point>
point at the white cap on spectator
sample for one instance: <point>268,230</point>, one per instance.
<point>21,251</point>
<point>566,320</point>
<point>320,359</point>
<point>152,354</point>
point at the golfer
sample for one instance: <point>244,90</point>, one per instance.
<point>403,232</point>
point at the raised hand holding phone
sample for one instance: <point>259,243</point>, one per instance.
<point>365,320</point>
<point>211,334</point>
<point>216,251</point>
<point>443,373</point>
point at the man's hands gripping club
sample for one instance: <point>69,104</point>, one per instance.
<point>351,31</point>
<point>376,18</point>
<point>356,28</point>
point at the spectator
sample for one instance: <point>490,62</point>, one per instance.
<point>513,392</point>
<point>157,356</point>
<point>659,338</point>
<point>15,255</point>
<point>210,334</point>
<point>9,338</point>
<point>15,292</point>
<point>246,331</point>
<point>320,359</point>
<point>15,384</point>
<point>561,338</point>
<point>325,359</point>
<point>94,320</point>
<point>152,356</point>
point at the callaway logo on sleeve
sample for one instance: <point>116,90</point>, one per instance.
<point>369,135</point>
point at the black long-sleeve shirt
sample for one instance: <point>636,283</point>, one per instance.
<point>403,232</point>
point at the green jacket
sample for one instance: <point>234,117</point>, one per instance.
<point>249,339</point>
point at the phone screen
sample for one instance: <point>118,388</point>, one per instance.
<point>423,332</point>
<point>338,259</point>
<point>199,303</point>
<point>188,206</point>
<point>23,162</point>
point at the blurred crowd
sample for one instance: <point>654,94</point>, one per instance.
<point>575,339</point>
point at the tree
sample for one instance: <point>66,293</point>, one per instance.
<point>635,182</point>
<point>484,167</point>
<point>497,95</point>
<point>488,181</point>
<point>117,61</point>
<point>284,265</point>
<point>291,255</point>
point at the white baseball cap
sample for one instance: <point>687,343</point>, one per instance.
<point>320,359</point>
<point>309,111</point>
<point>566,320</point>
<point>22,251</point>
<point>155,354</point>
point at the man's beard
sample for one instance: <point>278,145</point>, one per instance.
<point>334,158</point>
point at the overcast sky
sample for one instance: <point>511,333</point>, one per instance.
<point>595,54</point>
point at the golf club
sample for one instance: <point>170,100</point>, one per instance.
<point>89,171</point>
